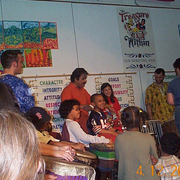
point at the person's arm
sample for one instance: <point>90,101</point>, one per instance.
<point>78,146</point>
<point>86,107</point>
<point>77,131</point>
<point>49,150</point>
<point>149,110</point>
<point>149,101</point>
<point>170,98</point>
<point>108,131</point>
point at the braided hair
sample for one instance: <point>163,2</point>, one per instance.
<point>132,117</point>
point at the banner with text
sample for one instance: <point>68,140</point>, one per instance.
<point>48,95</point>
<point>136,36</point>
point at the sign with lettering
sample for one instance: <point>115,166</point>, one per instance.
<point>48,95</point>
<point>122,87</point>
<point>136,36</point>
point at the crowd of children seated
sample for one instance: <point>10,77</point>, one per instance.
<point>135,151</point>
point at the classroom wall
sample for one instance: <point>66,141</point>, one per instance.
<point>88,36</point>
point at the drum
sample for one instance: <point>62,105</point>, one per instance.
<point>66,170</point>
<point>169,126</point>
<point>87,157</point>
<point>105,153</point>
<point>152,127</point>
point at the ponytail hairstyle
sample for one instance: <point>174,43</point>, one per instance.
<point>132,117</point>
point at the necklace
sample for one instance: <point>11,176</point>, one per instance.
<point>162,90</point>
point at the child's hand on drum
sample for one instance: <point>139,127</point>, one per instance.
<point>110,141</point>
<point>68,155</point>
<point>80,146</point>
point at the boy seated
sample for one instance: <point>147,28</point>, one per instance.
<point>70,110</point>
<point>168,164</point>
<point>49,145</point>
<point>97,123</point>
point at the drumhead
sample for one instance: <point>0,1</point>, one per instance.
<point>85,154</point>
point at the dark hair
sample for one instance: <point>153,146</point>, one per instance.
<point>7,98</point>
<point>94,96</point>
<point>67,106</point>
<point>33,117</point>
<point>176,64</point>
<point>159,71</point>
<point>143,20</point>
<point>170,143</point>
<point>77,73</point>
<point>132,116</point>
<point>8,57</point>
<point>103,86</point>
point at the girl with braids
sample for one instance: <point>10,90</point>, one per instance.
<point>133,149</point>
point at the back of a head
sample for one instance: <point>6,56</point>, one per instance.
<point>132,117</point>
<point>77,73</point>
<point>6,98</point>
<point>170,143</point>
<point>159,71</point>
<point>19,151</point>
<point>8,57</point>
<point>67,106</point>
<point>176,64</point>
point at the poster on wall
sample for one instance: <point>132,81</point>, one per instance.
<point>13,35</point>
<point>49,35</point>
<point>1,37</point>
<point>122,87</point>
<point>38,57</point>
<point>136,36</point>
<point>31,34</point>
<point>47,92</point>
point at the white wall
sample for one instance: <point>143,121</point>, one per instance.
<point>88,37</point>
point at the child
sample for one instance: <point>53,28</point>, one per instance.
<point>72,131</point>
<point>97,122</point>
<point>50,146</point>
<point>133,148</point>
<point>112,104</point>
<point>168,164</point>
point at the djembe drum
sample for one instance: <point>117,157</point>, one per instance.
<point>105,153</point>
<point>152,127</point>
<point>87,158</point>
<point>66,170</point>
<point>169,126</point>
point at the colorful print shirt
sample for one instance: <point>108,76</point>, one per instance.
<point>22,91</point>
<point>157,97</point>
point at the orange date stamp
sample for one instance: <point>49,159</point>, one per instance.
<point>160,169</point>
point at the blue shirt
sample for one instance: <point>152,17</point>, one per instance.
<point>22,91</point>
<point>174,88</point>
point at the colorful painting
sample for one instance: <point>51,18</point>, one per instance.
<point>31,34</point>
<point>12,35</point>
<point>49,35</point>
<point>38,57</point>
<point>1,36</point>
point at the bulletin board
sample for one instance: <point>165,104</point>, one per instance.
<point>47,91</point>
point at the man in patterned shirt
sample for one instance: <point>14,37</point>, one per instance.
<point>156,98</point>
<point>11,61</point>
